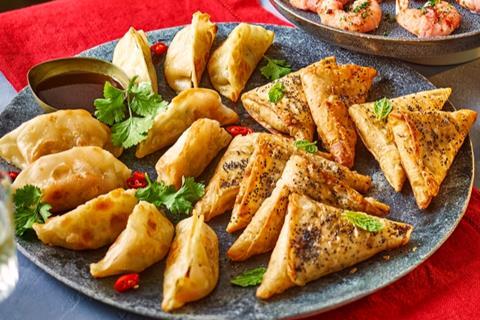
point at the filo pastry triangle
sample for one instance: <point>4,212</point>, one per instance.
<point>329,90</point>
<point>317,239</point>
<point>377,137</point>
<point>311,176</point>
<point>428,142</point>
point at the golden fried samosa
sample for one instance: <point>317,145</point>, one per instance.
<point>191,271</point>
<point>192,152</point>
<point>145,241</point>
<point>188,53</point>
<point>379,140</point>
<point>90,226</point>
<point>304,176</point>
<point>428,142</point>
<point>70,178</point>
<point>188,106</point>
<point>317,239</point>
<point>232,64</point>
<point>55,132</point>
<point>223,187</point>
<point>132,55</point>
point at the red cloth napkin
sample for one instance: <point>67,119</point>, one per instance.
<point>446,286</point>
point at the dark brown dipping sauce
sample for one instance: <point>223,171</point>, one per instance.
<point>74,90</point>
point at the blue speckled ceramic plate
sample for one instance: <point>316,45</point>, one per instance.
<point>432,227</point>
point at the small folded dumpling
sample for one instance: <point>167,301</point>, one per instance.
<point>223,187</point>
<point>317,240</point>
<point>70,178</point>
<point>92,225</point>
<point>192,152</point>
<point>132,55</point>
<point>183,110</point>
<point>232,64</point>
<point>145,241</point>
<point>192,268</point>
<point>54,132</point>
<point>188,53</point>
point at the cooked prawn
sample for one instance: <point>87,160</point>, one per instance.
<point>435,18</point>
<point>360,16</point>
<point>309,5</point>
<point>472,5</point>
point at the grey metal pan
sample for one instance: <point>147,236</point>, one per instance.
<point>432,227</point>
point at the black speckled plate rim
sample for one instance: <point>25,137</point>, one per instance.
<point>306,311</point>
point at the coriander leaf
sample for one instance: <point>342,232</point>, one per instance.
<point>310,147</point>
<point>111,108</point>
<point>431,3</point>
<point>382,108</point>
<point>29,209</point>
<point>275,93</point>
<point>144,101</point>
<point>364,221</point>
<point>131,131</point>
<point>275,68</point>
<point>249,278</point>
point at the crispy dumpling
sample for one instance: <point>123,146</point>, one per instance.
<point>223,187</point>
<point>145,241</point>
<point>183,110</point>
<point>379,140</point>
<point>54,132</point>
<point>192,152</point>
<point>232,64</point>
<point>70,178</point>
<point>132,55</point>
<point>90,226</point>
<point>428,143</point>
<point>191,272</point>
<point>303,176</point>
<point>317,240</point>
<point>291,115</point>
<point>188,53</point>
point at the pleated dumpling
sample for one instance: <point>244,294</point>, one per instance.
<point>188,53</point>
<point>92,225</point>
<point>132,55</point>
<point>188,106</point>
<point>232,64</point>
<point>192,268</point>
<point>54,132</point>
<point>145,241</point>
<point>192,152</point>
<point>70,178</point>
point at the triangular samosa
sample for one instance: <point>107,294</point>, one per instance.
<point>317,239</point>
<point>428,142</point>
<point>379,140</point>
<point>145,241</point>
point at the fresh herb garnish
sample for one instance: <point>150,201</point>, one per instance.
<point>177,202</point>
<point>358,8</point>
<point>249,278</point>
<point>275,68</point>
<point>29,209</point>
<point>382,108</point>
<point>275,93</point>
<point>364,221</point>
<point>129,111</point>
<point>431,3</point>
<point>310,147</point>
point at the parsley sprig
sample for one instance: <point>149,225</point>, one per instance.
<point>249,278</point>
<point>179,203</point>
<point>382,108</point>
<point>363,221</point>
<point>129,111</point>
<point>29,208</point>
<point>275,68</point>
<point>310,147</point>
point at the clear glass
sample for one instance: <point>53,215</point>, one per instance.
<point>8,258</point>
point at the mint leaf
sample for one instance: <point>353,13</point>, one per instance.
<point>382,108</point>
<point>111,108</point>
<point>310,147</point>
<point>363,221</point>
<point>275,68</point>
<point>131,131</point>
<point>275,93</point>
<point>144,101</point>
<point>29,209</point>
<point>249,278</point>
